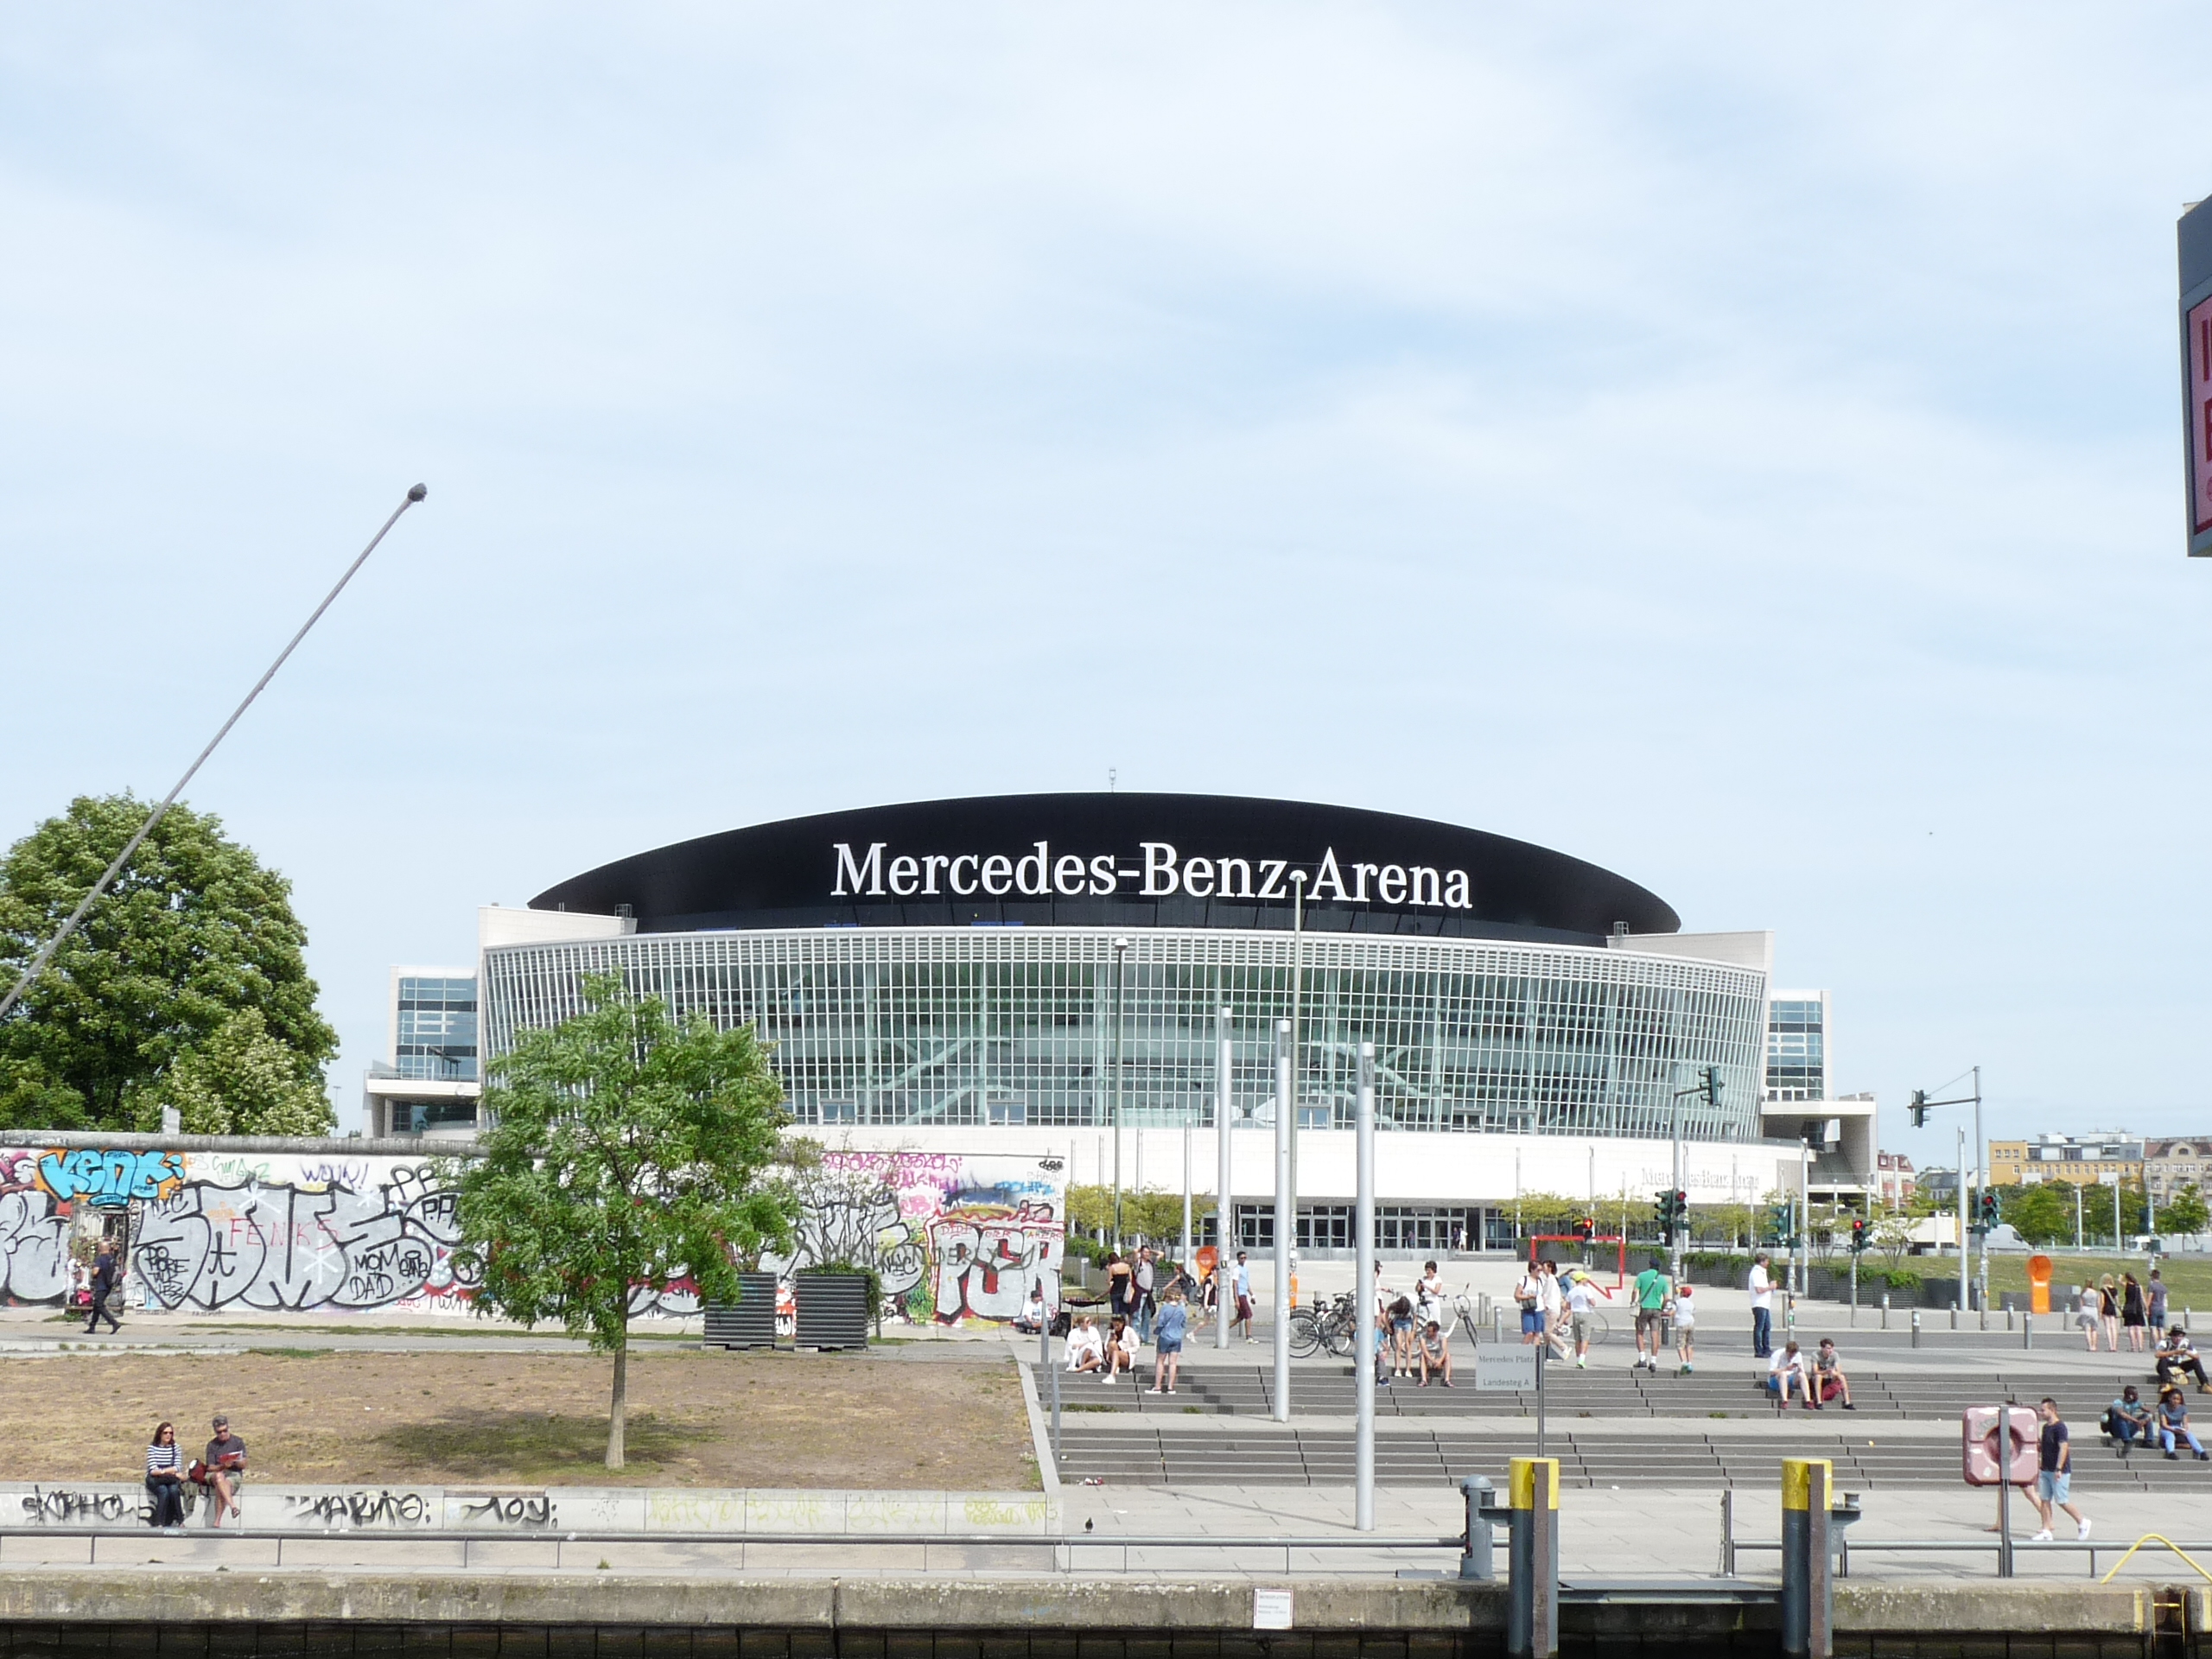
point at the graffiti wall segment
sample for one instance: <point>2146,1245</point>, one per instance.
<point>951,1236</point>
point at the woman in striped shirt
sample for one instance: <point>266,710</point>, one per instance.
<point>165,1478</point>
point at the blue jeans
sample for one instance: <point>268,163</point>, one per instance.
<point>1144,1319</point>
<point>1762,1333</point>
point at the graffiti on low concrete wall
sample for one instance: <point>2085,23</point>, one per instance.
<point>951,1235</point>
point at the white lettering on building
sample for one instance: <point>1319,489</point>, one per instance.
<point>1162,873</point>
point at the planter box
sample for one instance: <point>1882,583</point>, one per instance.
<point>749,1322</point>
<point>833,1309</point>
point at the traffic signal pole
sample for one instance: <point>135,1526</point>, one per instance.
<point>1920,1107</point>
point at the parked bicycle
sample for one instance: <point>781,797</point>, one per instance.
<point>1335,1327</point>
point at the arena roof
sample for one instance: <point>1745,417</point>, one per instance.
<point>1117,860</point>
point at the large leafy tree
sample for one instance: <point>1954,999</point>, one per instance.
<point>2185,1212</point>
<point>626,1151</point>
<point>195,931</point>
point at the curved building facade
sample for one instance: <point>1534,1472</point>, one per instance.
<point>1055,963</point>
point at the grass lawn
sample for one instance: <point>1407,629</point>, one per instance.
<point>463,1419</point>
<point>2188,1279</point>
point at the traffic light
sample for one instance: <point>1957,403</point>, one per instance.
<point>1713,1087</point>
<point>1858,1237</point>
<point>1918,1107</point>
<point>1988,1211</point>
<point>1587,1229</point>
<point>1780,1223</point>
<point>1663,1213</point>
<point>1681,1213</point>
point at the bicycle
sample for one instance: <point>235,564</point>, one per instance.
<point>1332,1327</point>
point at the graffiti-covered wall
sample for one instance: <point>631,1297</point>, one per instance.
<point>952,1236</point>
<point>221,1231</point>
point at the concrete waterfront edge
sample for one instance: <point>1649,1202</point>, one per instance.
<point>1040,1434</point>
<point>137,1595</point>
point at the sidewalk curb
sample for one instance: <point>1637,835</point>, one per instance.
<point>1040,1436</point>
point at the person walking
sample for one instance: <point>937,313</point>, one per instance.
<point>1685,1327</point>
<point>1652,1286</point>
<point>2132,1313</point>
<point>2055,1473</point>
<point>1762,1308</point>
<point>1240,1285</point>
<point>1555,1306</point>
<point>104,1278</point>
<point>1167,1355</point>
<point>2154,1293</point>
<point>2108,1311</point>
<point>1528,1297</point>
<point>1581,1298</point>
<point>165,1478</point>
<point>2085,1312</point>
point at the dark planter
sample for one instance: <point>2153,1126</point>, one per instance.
<point>749,1322</point>
<point>834,1309</point>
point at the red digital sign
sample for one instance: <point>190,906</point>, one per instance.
<point>2200,416</point>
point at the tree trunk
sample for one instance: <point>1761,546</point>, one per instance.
<point>619,1410</point>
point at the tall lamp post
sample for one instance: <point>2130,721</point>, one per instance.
<point>1224,1208</point>
<point>1121,950</point>
<point>1286,1219</point>
<point>1920,1107</point>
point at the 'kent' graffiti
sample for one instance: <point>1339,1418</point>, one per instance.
<point>110,1180</point>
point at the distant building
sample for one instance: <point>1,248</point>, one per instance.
<point>2085,1160</point>
<point>1799,1103</point>
<point>1797,1045</point>
<point>429,1081</point>
<point>2171,1163</point>
<point>1941,1186</point>
<point>1894,1181</point>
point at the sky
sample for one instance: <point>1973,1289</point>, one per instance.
<point>1736,446</point>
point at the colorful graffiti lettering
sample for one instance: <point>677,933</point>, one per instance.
<point>987,1259</point>
<point>110,1180</point>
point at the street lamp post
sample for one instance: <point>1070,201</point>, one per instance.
<point>1121,950</point>
<point>1286,1219</point>
<point>1224,1208</point>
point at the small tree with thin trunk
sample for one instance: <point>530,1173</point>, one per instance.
<point>626,1151</point>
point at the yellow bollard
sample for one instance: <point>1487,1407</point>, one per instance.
<point>1532,1560</point>
<point>1808,1592</point>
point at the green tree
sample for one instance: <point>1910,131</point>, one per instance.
<point>626,1151</point>
<point>195,930</point>
<point>2042,1213</point>
<point>2185,1212</point>
<point>240,1081</point>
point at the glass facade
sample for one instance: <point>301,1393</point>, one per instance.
<point>1054,1027</point>
<point>436,1030</point>
<point>1797,1051</point>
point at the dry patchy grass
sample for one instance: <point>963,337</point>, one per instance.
<point>695,1419</point>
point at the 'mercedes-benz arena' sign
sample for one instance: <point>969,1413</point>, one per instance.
<point>1157,871</point>
<point>1117,860</point>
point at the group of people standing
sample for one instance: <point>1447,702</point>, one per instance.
<point>1556,1308</point>
<point>2113,1308</point>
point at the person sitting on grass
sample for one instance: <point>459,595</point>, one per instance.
<point>2177,1353</point>
<point>2127,1419</point>
<point>1786,1374</point>
<point>2173,1421</point>
<point>1435,1354</point>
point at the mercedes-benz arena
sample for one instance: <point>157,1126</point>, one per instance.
<point>1026,974</point>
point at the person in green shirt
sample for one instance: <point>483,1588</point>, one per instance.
<point>1652,1288</point>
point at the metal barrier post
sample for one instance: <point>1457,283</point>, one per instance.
<point>1916,1327</point>
<point>2027,1330</point>
<point>1476,1560</point>
<point>1532,1560</point>
<point>1886,1310</point>
<point>1807,1573</point>
<point>1955,1315</point>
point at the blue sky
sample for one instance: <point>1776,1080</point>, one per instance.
<point>1738,448</point>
